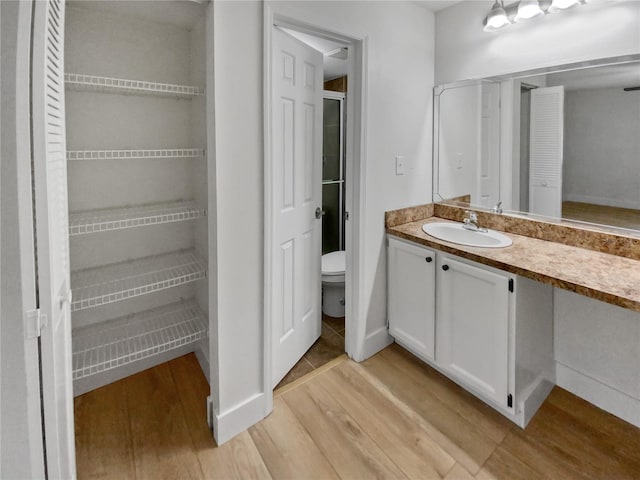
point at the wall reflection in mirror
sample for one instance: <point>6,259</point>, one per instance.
<point>562,145</point>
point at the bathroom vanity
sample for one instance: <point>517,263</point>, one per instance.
<point>484,316</point>
<point>488,330</point>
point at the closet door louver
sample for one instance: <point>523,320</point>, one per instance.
<point>546,151</point>
<point>51,220</point>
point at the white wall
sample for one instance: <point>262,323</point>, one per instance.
<point>597,353</point>
<point>238,121</point>
<point>464,50</point>
<point>398,90</point>
<point>602,147</point>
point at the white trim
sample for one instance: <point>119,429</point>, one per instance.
<point>534,397</point>
<point>330,94</point>
<point>355,175</point>
<point>268,208</point>
<point>213,374</point>
<point>604,396</point>
<point>237,419</point>
<point>374,342</point>
<point>203,358</point>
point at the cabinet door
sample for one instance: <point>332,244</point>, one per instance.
<point>473,327</point>
<point>411,301</point>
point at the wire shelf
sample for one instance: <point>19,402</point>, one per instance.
<point>93,287</point>
<point>79,81</point>
<point>124,340</point>
<point>93,221</point>
<point>90,155</point>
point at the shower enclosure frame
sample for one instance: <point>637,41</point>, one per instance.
<point>341,98</point>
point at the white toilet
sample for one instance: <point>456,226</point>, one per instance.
<point>333,267</point>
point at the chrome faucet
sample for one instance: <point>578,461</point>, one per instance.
<point>497,208</point>
<point>471,222</point>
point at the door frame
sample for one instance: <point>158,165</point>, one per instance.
<point>355,128</point>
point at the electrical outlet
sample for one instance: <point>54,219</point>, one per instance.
<point>400,165</point>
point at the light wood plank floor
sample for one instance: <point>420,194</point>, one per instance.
<point>389,417</point>
<point>602,214</point>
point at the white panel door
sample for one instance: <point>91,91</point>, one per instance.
<point>51,212</point>
<point>546,151</point>
<point>297,87</point>
<point>472,330</point>
<point>489,159</point>
<point>411,296</point>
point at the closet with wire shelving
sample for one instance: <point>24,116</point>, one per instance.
<point>136,115</point>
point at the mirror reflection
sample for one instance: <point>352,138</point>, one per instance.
<point>567,144</point>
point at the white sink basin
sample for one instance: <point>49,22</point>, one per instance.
<point>455,233</point>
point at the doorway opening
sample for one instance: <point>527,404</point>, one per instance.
<point>331,343</point>
<point>338,183</point>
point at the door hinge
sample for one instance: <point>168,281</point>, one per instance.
<point>509,400</point>
<point>511,284</point>
<point>34,322</point>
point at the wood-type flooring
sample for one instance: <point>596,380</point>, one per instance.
<point>388,417</point>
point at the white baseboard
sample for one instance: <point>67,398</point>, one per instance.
<point>203,360</point>
<point>373,343</point>
<point>607,398</point>
<point>534,399</point>
<point>608,202</point>
<point>237,419</point>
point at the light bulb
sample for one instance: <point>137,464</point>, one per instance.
<point>497,18</point>
<point>528,9</point>
<point>558,5</point>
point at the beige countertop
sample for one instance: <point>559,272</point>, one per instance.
<point>609,278</point>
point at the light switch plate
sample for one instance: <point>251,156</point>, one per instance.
<point>400,165</point>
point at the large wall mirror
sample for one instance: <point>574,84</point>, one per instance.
<point>561,143</point>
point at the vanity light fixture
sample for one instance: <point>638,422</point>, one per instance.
<point>497,17</point>
<point>500,15</point>
<point>528,9</point>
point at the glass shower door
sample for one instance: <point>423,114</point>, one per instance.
<point>333,172</point>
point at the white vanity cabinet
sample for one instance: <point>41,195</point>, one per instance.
<point>488,330</point>
<point>474,321</point>
<point>411,307</point>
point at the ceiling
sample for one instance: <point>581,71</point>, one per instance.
<point>436,5</point>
